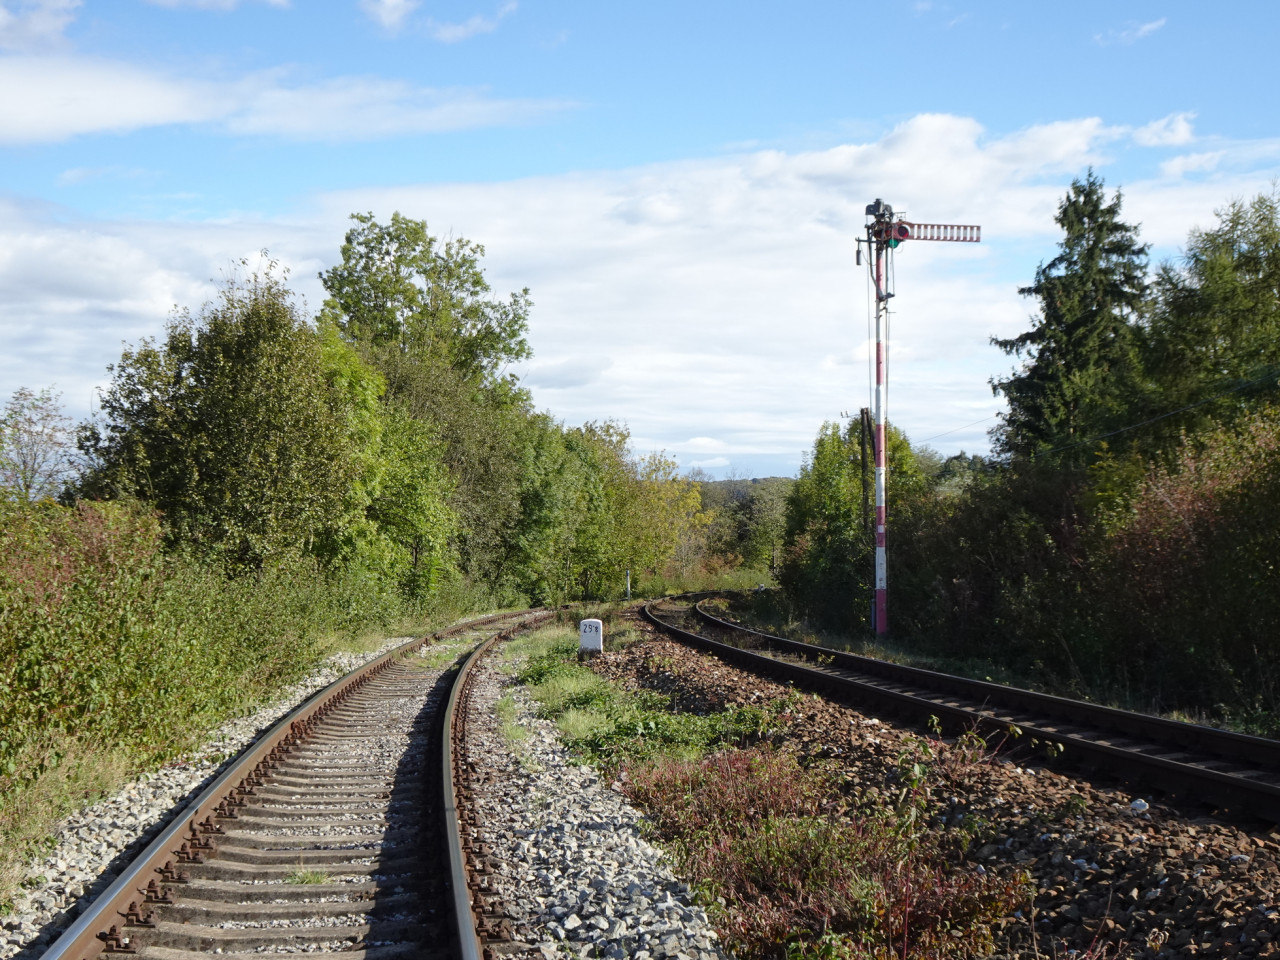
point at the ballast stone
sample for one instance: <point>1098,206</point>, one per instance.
<point>569,854</point>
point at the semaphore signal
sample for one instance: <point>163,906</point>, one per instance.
<point>885,233</point>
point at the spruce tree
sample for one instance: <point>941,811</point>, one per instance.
<point>1081,361</point>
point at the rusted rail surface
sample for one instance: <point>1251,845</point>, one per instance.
<point>142,909</point>
<point>1236,772</point>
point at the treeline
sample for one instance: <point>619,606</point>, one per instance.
<point>383,437</point>
<point>1121,540</point>
<point>258,480</point>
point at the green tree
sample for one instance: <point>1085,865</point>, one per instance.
<point>36,445</point>
<point>411,504</point>
<point>748,518</point>
<point>398,286</point>
<point>233,428</point>
<point>1213,339</point>
<point>1081,371</point>
<point>827,567</point>
<point>418,310</point>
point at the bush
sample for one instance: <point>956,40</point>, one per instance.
<point>1193,596</point>
<point>105,639</point>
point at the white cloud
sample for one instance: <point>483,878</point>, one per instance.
<point>1171,131</point>
<point>701,445</point>
<point>1130,34</point>
<point>1192,163</point>
<point>65,96</point>
<point>62,97</point>
<point>367,108</point>
<point>566,373</point>
<point>746,260</point>
<point>472,26</point>
<point>27,25</point>
<point>213,4</point>
<point>78,175</point>
<point>391,14</point>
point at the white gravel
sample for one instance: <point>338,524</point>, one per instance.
<point>90,843</point>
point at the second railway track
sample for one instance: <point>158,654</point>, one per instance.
<point>1233,771</point>
<point>335,833</point>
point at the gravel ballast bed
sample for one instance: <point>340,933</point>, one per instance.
<point>94,845</point>
<point>1109,867</point>
<point>572,869</point>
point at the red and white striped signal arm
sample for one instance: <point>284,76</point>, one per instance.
<point>958,232</point>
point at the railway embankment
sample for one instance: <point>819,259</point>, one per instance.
<point>1107,869</point>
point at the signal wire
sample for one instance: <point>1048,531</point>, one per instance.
<point>946,433</point>
<point>1165,416</point>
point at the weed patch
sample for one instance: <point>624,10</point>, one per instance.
<point>790,869</point>
<point>613,727</point>
<point>304,876</point>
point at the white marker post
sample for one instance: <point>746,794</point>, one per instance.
<point>590,639</point>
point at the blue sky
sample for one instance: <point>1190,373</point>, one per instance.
<point>680,185</point>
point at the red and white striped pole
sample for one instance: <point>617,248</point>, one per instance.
<point>885,233</point>
<point>881,618</point>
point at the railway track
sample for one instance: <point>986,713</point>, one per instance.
<point>1237,773</point>
<point>343,829</point>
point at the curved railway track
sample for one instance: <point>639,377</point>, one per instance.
<point>344,828</point>
<point>1235,772</point>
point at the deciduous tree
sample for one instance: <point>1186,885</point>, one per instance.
<point>1212,343</point>
<point>233,428</point>
<point>37,445</point>
<point>397,285</point>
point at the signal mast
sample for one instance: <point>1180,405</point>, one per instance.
<point>884,233</point>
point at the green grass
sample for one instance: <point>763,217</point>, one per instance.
<point>613,726</point>
<point>434,657</point>
<point>577,724</point>
<point>304,876</point>
<point>514,732</point>
<point>75,775</point>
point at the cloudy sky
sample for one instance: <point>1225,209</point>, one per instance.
<point>680,184</point>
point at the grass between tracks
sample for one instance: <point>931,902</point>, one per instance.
<point>780,856</point>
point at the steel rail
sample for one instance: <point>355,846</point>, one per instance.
<point>466,912</point>
<point>1182,759</point>
<point>104,927</point>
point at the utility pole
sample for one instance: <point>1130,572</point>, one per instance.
<point>884,233</point>
<point>864,435</point>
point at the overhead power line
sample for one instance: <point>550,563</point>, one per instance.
<point>1270,375</point>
